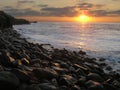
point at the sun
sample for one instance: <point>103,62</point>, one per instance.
<point>83,18</point>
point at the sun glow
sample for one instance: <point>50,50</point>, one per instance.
<point>83,18</point>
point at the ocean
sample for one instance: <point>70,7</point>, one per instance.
<point>97,39</point>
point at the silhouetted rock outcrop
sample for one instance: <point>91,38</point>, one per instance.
<point>20,21</point>
<point>6,21</point>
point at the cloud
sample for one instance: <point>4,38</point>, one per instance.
<point>21,12</point>
<point>42,5</point>
<point>87,6</point>
<point>100,13</point>
<point>65,11</point>
<point>26,1</point>
<point>68,11</point>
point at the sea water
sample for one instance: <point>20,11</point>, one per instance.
<point>97,39</point>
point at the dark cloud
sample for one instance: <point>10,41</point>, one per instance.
<point>26,1</point>
<point>87,6</point>
<point>42,5</point>
<point>65,11</point>
<point>99,13</point>
<point>21,12</point>
<point>93,10</point>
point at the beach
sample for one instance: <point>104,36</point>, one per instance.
<point>30,66</point>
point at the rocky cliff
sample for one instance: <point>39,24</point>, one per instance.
<point>6,21</point>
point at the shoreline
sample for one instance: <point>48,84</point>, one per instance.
<point>29,66</point>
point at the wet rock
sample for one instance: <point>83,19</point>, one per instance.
<point>60,70</point>
<point>22,75</point>
<point>64,65</point>
<point>75,87</point>
<point>67,80</point>
<point>25,61</point>
<point>76,66</point>
<point>7,60</point>
<point>47,86</point>
<point>81,82</point>
<point>8,81</point>
<point>45,73</point>
<point>1,68</point>
<point>34,61</point>
<point>33,87</point>
<point>109,68</point>
<point>64,87</point>
<point>95,77</point>
<point>102,59</point>
<point>82,52</point>
<point>110,87</point>
<point>92,85</point>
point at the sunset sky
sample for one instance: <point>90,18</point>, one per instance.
<point>63,10</point>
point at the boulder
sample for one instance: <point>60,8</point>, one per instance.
<point>8,81</point>
<point>22,75</point>
<point>47,86</point>
<point>92,85</point>
<point>95,77</point>
<point>45,73</point>
<point>67,80</point>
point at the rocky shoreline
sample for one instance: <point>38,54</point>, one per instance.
<point>28,66</point>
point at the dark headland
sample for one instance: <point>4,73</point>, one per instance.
<point>28,66</point>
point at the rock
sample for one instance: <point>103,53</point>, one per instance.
<point>92,85</point>
<point>109,68</point>
<point>47,86</point>
<point>67,80</point>
<point>81,82</point>
<point>95,77</point>
<point>33,87</point>
<point>5,20</point>
<point>7,60</point>
<point>22,75</point>
<point>102,59</point>
<point>45,73</point>
<point>109,87</point>
<point>64,88</point>
<point>35,61</point>
<point>75,87</point>
<point>25,61</point>
<point>20,21</point>
<point>60,70</point>
<point>8,81</point>
<point>82,52</point>
<point>64,65</point>
<point>1,68</point>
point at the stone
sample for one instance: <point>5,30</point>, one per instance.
<point>109,68</point>
<point>45,73</point>
<point>64,87</point>
<point>92,85</point>
<point>22,75</point>
<point>109,87</point>
<point>75,87</point>
<point>7,60</point>
<point>33,87</point>
<point>8,81</point>
<point>67,80</point>
<point>47,86</point>
<point>60,70</point>
<point>25,61</point>
<point>81,82</point>
<point>95,77</point>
